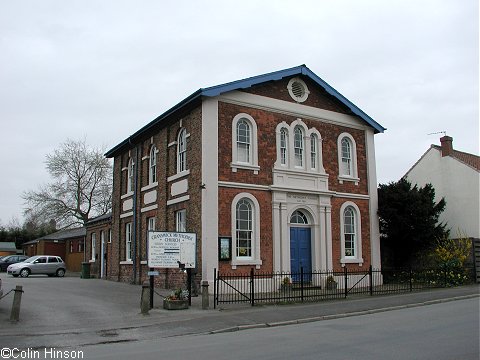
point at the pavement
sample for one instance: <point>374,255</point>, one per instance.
<point>123,322</point>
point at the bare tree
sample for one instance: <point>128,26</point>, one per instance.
<point>81,186</point>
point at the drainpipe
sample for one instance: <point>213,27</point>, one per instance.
<point>134,221</point>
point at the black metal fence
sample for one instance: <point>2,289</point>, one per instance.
<point>282,287</point>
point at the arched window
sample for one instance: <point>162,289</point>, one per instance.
<point>182,151</point>
<point>349,232</point>
<point>347,158</point>
<point>298,217</point>
<point>313,151</point>
<point>346,168</point>
<point>283,146</point>
<point>298,146</point>
<point>243,142</point>
<point>152,168</point>
<point>245,225</point>
<point>130,172</point>
<point>244,228</point>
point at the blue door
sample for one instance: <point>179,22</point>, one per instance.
<point>300,253</point>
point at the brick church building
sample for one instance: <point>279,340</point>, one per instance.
<point>281,166</point>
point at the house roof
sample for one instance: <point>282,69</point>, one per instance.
<point>61,235</point>
<point>244,84</point>
<point>7,246</point>
<point>466,158</point>
<point>104,217</point>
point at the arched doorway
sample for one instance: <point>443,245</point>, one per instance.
<point>300,246</point>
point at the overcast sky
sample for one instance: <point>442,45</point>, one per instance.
<point>103,69</point>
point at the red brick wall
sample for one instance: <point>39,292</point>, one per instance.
<point>317,98</point>
<point>264,198</point>
<point>336,240</point>
<point>267,154</point>
<point>164,215</point>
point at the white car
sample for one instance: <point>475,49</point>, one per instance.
<point>40,264</point>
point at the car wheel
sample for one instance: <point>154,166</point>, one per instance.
<point>60,272</point>
<point>24,273</point>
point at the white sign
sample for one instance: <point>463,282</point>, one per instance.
<point>169,249</point>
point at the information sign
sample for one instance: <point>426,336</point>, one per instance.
<point>171,249</point>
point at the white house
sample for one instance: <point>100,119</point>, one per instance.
<point>455,175</point>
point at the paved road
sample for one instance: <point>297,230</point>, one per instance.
<point>440,331</point>
<point>71,312</point>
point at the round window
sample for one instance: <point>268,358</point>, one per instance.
<point>298,90</point>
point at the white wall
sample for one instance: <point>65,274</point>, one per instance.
<point>458,183</point>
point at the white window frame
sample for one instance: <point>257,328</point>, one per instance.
<point>299,147</point>
<point>283,146</point>
<point>342,176</point>
<point>152,166</point>
<point>151,223</point>
<point>93,245</point>
<point>313,151</point>
<point>255,258</point>
<point>130,172</point>
<point>181,220</point>
<point>109,236</point>
<point>182,151</point>
<point>128,241</point>
<point>252,163</point>
<point>357,257</point>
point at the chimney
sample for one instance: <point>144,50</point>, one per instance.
<point>447,146</point>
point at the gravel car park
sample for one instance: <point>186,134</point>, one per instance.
<point>43,264</point>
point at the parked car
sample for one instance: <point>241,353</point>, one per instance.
<point>1,291</point>
<point>11,259</point>
<point>40,264</point>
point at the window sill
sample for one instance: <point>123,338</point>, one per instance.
<point>127,262</point>
<point>236,166</point>
<point>342,178</point>
<point>149,186</point>
<point>128,194</point>
<point>238,262</point>
<point>178,175</point>
<point>344,261</point>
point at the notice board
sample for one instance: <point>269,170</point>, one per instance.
<point>170,249</point>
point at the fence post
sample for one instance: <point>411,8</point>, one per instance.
<point>17,300</point>
<point>444,276</point>
<point>301,283</point>
<point>346,281</point>
<point>252,288</point>
<point>215,284</point>
<point>370,274</point>
<point>410,280</point>
<point>205,295</point>
<point>145,299</point>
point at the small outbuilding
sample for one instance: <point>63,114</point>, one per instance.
<point>8,248</point>
<point>69,244</point>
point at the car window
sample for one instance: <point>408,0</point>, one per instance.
<point>41,260</point>
<point>52,259</point>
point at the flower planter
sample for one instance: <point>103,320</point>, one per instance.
<point>331,286</point>
<point>175,304</point>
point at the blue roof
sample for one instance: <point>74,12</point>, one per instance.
<point>244,84</point>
